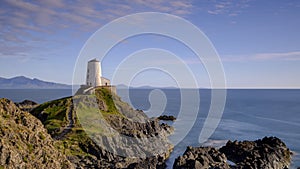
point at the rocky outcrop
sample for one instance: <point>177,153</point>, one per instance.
<point>201,158</point>
<point>267,153</point>
<point>27,105</point>
<point>24,142</point>
<point>167,118</point>
<point>123,132</point>
<point>137,140</point>
<point>150,128</point>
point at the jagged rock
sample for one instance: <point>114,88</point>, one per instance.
<point>267,153</point>
<point>155,162</point>
<point>24,142</point>
<point>201,158</point>
<point>167,118</point>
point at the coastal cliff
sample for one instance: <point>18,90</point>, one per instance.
<point>62,123</point>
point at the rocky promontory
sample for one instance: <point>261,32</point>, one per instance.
<point>56,125</point>
<point>266,153</point>
<point>25,143</point>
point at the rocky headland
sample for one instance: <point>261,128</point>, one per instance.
<point>49,135</point>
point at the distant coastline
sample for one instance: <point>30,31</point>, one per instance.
<point>22,82</point>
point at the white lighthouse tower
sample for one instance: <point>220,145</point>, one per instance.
<point>94,73</point>
<point>94,79</point>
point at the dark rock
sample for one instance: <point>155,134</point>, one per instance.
<point>201,158</point>
<point>269,152</point>
<point>150,163</point>
<point>27,105</point>
<point>167,118</point>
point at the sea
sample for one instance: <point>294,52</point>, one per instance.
<point>249,114</point>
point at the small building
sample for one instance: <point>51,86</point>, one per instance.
<point>94,74</point>
<point>94,78</point>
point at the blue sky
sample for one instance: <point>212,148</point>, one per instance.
<point>258,41</point>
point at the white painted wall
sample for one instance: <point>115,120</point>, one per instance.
<point>105,82</point>
<point>94,73</point>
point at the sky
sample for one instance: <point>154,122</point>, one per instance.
<point>258,41</point>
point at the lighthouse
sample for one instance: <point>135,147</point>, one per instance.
<point>94,74</point>
<point>94,79</point>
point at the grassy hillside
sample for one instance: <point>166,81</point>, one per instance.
<point>54,116</point>
<point>101,114</point>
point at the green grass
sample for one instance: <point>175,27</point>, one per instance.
<point>106,95</point>
<point>42,107</point>
<point>107,98</point>
<point>56,112</point>
<point>75,143</point>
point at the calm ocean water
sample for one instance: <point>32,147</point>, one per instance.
<point>37,95</point>
<point>248,114</point>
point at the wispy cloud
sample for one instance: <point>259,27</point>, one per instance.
<point>258,57</point>
<point>91,14</point>
<point>278,56</point>
<point>23,21</point>
<point>228,7</point>
<point>283,56</point>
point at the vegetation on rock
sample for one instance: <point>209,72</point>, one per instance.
<point>25,142</point>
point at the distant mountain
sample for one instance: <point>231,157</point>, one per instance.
<point>22,82</point>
